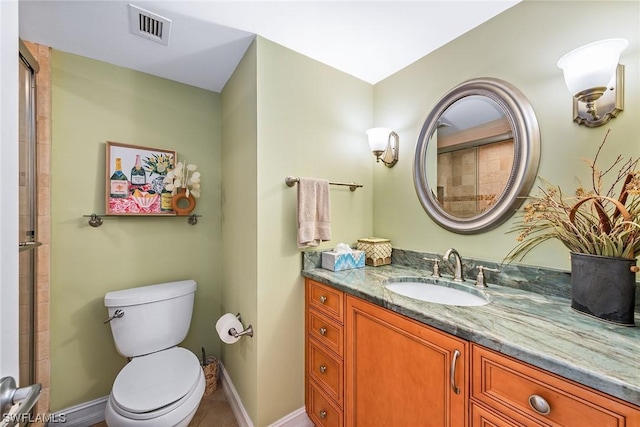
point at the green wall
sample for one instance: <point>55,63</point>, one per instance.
<point>240,223</point>
<point>522,46</point>
<point>94,102</point>
<point>311,122</point>
<point>280,114</point>
<point>284,114</point>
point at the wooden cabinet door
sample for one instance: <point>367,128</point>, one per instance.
<point>398,372</point>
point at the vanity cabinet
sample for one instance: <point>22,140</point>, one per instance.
<point>507,392</point>
<point>369,366</point>
<point>400,372</point>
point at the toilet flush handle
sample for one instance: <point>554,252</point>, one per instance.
<point>117,314</point>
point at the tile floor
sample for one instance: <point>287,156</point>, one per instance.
<point>214,411</point>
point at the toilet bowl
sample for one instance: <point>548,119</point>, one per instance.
<point>160,389</point>
<point>162,384</point>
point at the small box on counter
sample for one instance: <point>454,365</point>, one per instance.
<point>377,250</point>
<point>338,261</point>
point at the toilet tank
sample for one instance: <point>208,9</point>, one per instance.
<point>155,317</point>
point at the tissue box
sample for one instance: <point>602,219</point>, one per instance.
<point>338,261</point>
<point>377,250</point>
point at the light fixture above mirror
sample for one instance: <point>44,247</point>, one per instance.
<point>384,145</point>
<point>596,81</point>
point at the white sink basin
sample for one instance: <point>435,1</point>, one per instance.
<point>446,293</point>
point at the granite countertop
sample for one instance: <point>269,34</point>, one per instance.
<point>539,329</point>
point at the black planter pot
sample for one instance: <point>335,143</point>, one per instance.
<point>604,287</point>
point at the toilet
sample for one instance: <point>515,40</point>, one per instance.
<point>162,384</point>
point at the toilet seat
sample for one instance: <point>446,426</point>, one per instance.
<point>152,385</point>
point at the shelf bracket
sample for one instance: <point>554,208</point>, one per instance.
<point>95,220</point>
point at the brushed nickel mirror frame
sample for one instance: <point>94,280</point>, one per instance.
<point>526,138</point>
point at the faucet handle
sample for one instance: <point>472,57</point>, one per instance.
<point>481,279</point>
<point>436,266</point>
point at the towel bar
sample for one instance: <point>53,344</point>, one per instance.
<point>291,181</point>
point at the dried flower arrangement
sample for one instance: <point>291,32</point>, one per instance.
<point>595,221</point>
<point>183,176</point>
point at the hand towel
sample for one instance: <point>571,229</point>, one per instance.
<point>314,212</point>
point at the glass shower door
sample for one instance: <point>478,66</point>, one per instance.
<point>27,223</point>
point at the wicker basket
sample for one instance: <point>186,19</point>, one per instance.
<point>377,250</point>
<point>211,375</point>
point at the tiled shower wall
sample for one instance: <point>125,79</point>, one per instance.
<point>495,162</point>
<point>470,180</point>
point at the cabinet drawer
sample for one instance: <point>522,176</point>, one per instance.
<point>508,386</point>
<point>321,411</point>
<point>325,299</point>
<point>325,331</point>
<point>327,371</point>
<point>481,417</point>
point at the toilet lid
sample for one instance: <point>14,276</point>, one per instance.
<point>150,382</point>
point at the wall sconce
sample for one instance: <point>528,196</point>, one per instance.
<point>596,81</point>
<point>384,145</point>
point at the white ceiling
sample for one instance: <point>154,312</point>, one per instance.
<point>370,40</point>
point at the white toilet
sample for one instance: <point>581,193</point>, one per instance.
<point>162,384</point>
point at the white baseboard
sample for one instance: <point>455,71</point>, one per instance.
<point>297,418</point>
<point>89,413</point>
<point>82,415</point>
<point>234,399</point>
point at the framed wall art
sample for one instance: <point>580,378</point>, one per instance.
<point>134,180</point>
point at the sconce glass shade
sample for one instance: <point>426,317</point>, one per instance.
<point>378,138</point>
<point>591,66</point>
<point>384,145</point>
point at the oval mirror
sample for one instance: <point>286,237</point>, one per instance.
<point>477,156</point>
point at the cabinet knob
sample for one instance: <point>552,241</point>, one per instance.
<point>323,369</point>
<point>323,299</point>
<point>323,414</point>
<point>539,404</point>
<point>323,331</point>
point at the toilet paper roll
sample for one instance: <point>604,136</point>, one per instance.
<point>226,322</point>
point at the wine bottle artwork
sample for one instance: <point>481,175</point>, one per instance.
<point>119,182</point>
<point>165,201</point>
<point>138,175</point>
<point>134,180</point>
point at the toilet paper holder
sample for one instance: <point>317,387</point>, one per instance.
<point>248,331</point>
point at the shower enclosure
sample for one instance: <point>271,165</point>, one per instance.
<point>16,402</point>
<point>27,216</point>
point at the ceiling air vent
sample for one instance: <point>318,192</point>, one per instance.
<point>149,25</point>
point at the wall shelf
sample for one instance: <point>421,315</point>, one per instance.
<point>95,220</point>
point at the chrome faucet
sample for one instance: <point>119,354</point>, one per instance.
<point>458,274</point>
